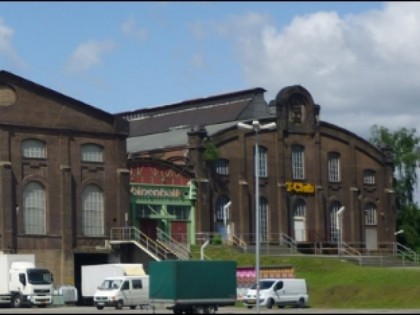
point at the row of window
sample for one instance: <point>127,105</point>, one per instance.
<point>298,166</point>
<point>37,149</point>
<point>299,210</point>
<point>35,209</point>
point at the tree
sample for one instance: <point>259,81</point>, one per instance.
<point>406,156</point>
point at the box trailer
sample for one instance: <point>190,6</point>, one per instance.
<point>22,283</point>
<point>192,286</point>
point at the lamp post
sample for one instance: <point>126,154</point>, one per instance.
<point>256,126</point>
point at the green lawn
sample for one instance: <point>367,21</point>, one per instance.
<point>335,283</point>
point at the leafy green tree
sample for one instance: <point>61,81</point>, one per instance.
<point>406,156</point>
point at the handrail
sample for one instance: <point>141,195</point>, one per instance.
<point>239,241</point>
<point>133,234</point>
<point>284,238</point>
<point>350,251</point>
<point>177,248</point>
<point>405,251</point>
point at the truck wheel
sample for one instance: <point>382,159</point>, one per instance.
<point>17,301</point>
<point>99,307</point>
<point>270,303</point>
<point>132,307</point>
<point>119,305</point>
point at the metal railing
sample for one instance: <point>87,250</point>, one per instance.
<point>133,235</point>
<point>405,252</point>
<point>180,250</point>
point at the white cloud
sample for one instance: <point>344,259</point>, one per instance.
<point>88,55</point>
<point>6,47</point>
<point>130,29</point>
<point>362,69</point>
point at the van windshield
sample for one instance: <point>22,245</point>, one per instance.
<point>110,284</point>
<point>263,285</point>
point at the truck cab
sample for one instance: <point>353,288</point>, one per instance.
<point>29,285</point>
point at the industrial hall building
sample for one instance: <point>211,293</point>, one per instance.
<point>318,184</point>
<point>80,186</point>
<point>63,177</point>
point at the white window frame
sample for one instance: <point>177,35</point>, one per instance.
<point>369,177</point>
<point>34,149</point>
<point>34,209</point>
<point>370,214</point>
<point>220,204</point>
<point>263,219</point>
<point>262,155</point>
<point>334,231</point>
<point>222,167</point>
<point>90,152</point>
<point>93,211</point>
<point>298,162</point>
<point>334,167</point>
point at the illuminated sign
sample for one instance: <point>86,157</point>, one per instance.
<point>300,187</point>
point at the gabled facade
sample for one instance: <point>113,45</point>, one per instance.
<point>63,176</point>
<point>308,171</point>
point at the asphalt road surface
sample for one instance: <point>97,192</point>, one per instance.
<point>222,310</point>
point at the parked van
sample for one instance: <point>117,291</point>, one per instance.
<point>280,292</point>
<point>131,291</point>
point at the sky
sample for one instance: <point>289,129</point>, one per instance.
<point>359,60</point>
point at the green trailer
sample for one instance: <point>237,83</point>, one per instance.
<point>193,286</point>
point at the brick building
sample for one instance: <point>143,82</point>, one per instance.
<point>63,176</point>
<point>309,169</point>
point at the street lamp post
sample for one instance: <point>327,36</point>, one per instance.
<point>256,126</point>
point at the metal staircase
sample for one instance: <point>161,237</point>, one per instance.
<point>180,250</point>
<point>157,250</point>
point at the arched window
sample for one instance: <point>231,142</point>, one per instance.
<point>93,211</point>
<point>298,162</point>
<point>34,149</point>
<point>220,204</point>
<point>299,220</point>
<point>263,219</point>
<point>92,153</point>
<point>34,208</point>
<point>334,167</point>
<point>299,208</point>
<point>370,214</point>
<point>334,229</point>
<point>262,165</point>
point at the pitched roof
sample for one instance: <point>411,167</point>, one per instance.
<point>216,109</point>
<point>167,126</point>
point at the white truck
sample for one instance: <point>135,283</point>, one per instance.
<point>22,283</point>
<point>94,275</point>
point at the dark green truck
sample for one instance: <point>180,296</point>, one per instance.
<point>192,286</point>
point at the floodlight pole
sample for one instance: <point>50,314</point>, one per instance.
<point>257,127</point>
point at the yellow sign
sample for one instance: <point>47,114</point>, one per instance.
<point>300,187</point>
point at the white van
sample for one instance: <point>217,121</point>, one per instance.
<point>280,292</point>
<point>131,291</point>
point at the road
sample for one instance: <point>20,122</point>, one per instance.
<point>222,310</point>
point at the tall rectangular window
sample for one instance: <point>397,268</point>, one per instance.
<point>333,167</point>
<point>298,166</point>
<point>262,159</point>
